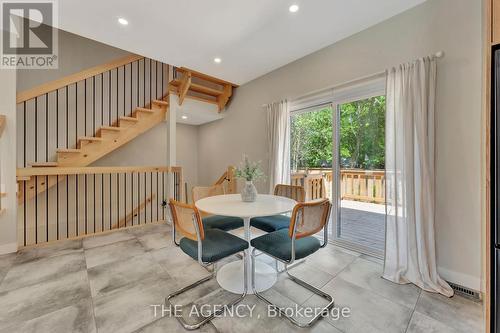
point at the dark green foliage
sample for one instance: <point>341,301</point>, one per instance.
<point>362,136</point>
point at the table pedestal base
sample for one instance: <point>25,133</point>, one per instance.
<point>230,277</point>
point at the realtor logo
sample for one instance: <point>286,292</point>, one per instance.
<point>28,39</point>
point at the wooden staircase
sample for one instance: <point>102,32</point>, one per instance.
<point>109,138</point>
<point>131,123</point>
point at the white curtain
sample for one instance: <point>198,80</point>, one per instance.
<point>410,255</point>
<point>278,133</point>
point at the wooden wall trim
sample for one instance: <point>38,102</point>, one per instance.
<point>70,79</point>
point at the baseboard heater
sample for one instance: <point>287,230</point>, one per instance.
<point>466,292</point>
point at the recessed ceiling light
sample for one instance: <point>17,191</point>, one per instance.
<point>217,60</point>
<point>293,8</point>
<point>184,117</point>
<point>122,21</point>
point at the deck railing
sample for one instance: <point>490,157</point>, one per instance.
<point>85,201</point>
<point>355,184</point>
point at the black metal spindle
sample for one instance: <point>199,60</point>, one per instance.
<point>36,129</point>
<point>67,120</point>
<point>102,202</point>
<point>118,200</point>
<point>109,97</point>
<point>93,105</point>
<point>36,210</point>
<point>151,194</point>
<point>46,208</point>
<point>84,109</point>
<point>144,82</point>
<point>76,112</point>
<point>110,203</point>
<point>24,208</point>
<point>163,192</point>
<point>77,229</point>
<point>46,127</point>
<point>24,135</point>
<point>145,199</point>
<point>138,198</point>
<point>67,206</point>
<point>85,204</point>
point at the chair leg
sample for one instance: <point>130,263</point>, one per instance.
<point>303,284</point>
<point>199,282</point>
<point>295,264</point>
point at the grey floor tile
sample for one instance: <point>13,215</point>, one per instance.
<point>308,272</point>
<point>113,252</point>
<point>106,239</point>
<point>26,303</point>
<point>290,289</point>
<point>367,274</point>
<point>460,313</point>
<point>422,324</point>
<point>321,326</point>
<point>368,312</point>
<point>39,270</point>
<point>147,229</point>
<point>108,277</point>
<point>254,319</point>
<point>171,324</point>
<point>77,318</point>
<point>130,308</point>
<point>182,268</point>
<point>49,250</point>
<point>154,241</point>
<point>6,262</point>
<point>331,260</point>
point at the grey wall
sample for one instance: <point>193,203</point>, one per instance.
<point>76,53</point>
<point>187,154</point>
<point>453,26</point>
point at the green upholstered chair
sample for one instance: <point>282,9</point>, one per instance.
<point>225,223</point>
<point>205,246</point>
<point>279,222</point>
<point>296,242</point>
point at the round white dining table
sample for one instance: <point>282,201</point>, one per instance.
<point>230,276</point>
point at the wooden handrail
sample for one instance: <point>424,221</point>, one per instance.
<point>70,79</point>
<point>54,171</point>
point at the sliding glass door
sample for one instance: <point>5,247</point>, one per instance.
<point>338,152</point>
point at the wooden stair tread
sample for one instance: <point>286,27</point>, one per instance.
<point>68,150</point>
<point>158,102</point>
<point>89,138</point>
<point>43,164</point>
<point>129,119</point>
<point>111,128</point>
<point>144,110</point>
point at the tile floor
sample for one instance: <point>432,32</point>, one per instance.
<point>108,283</point>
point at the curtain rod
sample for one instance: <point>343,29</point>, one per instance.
<point>439,54</point>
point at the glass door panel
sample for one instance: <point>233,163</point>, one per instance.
<point>361,175</point>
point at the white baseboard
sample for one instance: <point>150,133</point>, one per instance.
<point>465,280</point>
<point>8,248</point>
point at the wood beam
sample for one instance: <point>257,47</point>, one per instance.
<point>224,98</point>
<point>184,86</point>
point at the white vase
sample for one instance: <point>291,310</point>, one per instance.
<point>249,192</point>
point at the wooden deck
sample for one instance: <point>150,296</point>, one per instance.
<point>363,223</point>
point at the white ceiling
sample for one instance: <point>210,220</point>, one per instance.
<point>252,37</point>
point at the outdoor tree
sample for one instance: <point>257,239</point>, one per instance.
<point>362,136</point>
